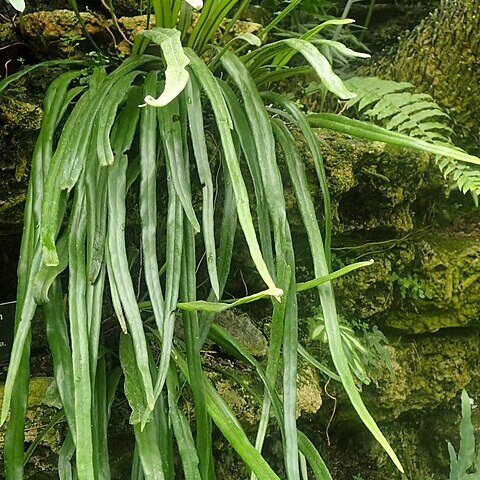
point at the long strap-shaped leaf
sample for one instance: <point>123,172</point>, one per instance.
<point>228,424</point>
<point>146,439</point>
<point>194,361</point>
<point>273,187</point>
<point>307,210</point>
<point>120,270</point>
<point>181,428</point>
<point>59,344</point>
<point>172,136</point>
<point>224,122</point>
<point>174,251</point>
<point>79,337</point>
<point>148,200</point>
<point>28,266</point>
<point>301,121</point>
<point>197,135</point>
<point>361,129</point>
<point>228,228</point>
<point>246,139</point>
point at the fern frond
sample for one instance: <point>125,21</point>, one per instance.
<point>396,107</point>
<point>466,177</point>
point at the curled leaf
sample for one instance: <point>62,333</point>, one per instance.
<point>176,76</point>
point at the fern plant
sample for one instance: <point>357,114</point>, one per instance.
<point>397,107</point>
<point>462,464</point>
<point>75,219</point>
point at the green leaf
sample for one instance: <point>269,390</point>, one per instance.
<point>217,307</point>
<point>176,76</point>
<point>466,452</point>
<point>230,427</point>
<point>307,210</point>
<point>361,129</point>
<point>224,122</point>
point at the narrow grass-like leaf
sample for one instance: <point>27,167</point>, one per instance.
<point>212,15</point>
<point>194,361</point>
<point>146,439</point>
<point>466,451</point>
<point>224,122</point>
<point>229,426</point>
<point>247,142</point>
<point>218,307</point>
<point>290,345</point>
<point>107,115</point>
<point>301,121</point>
<point>47,275</point>
<point>171,130</point>
<point>64,458</point>
<point>57,418</point>
<point>365,130</point>
<point>302,286</point>
<point>227,238</point>
<point>307,210</point>
<point>13,452</point>
<point>197,135</point>
<point>79,337</point>
<point>182,431</point>
<point>176,75</point>
<point>120,270</point>
<point>49,63</point>
<point>174,252</point>
<point>148,200</point>
<point>316,462</point>
<point>59,344</point>
<point>100,422</point>
<point>316,364</point>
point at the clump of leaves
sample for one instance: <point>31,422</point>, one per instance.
<point>144,123</point>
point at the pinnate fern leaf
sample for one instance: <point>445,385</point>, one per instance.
<point>397,107</point>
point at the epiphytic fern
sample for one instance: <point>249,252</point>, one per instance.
<point>397,107</point>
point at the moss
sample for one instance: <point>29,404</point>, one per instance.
<point>19,124</point>
<point>59,32</point>
<point>447,267</point>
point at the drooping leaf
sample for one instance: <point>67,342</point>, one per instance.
<point>176,75</point>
